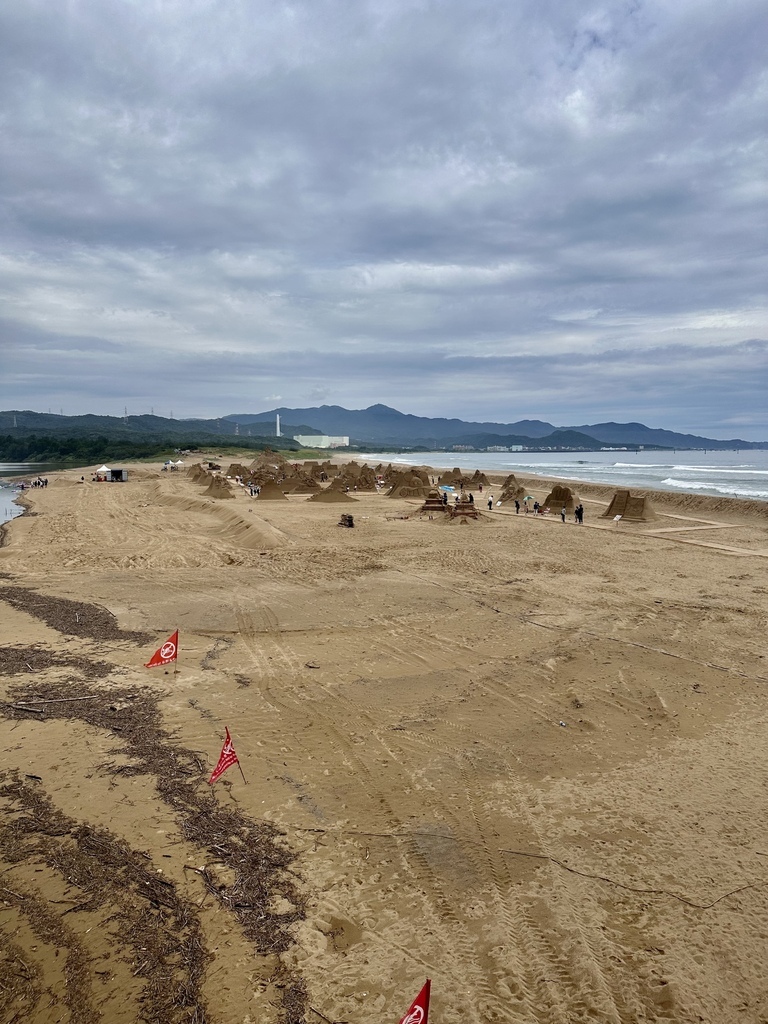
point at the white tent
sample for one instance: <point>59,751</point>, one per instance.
<point>104,469</point>
<point>179,463</point>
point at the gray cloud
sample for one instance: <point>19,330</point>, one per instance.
<point>541,209</point>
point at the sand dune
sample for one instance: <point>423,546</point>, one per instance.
<point>525,760</point>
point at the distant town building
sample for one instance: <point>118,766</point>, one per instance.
<point>321,441</point>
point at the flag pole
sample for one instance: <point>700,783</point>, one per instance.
<point>240,767</point>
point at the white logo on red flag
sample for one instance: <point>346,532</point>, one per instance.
<point>414,1017</point>
<point>165,654</point>
<point>227,758</point>
<point>418,1011</point>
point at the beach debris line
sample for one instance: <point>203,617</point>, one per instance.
<point>165,654</point>
<point>227,758</point>
<point>259,890</point>
<point>418,1011</point>
<point>73,618</point>
<point>141,916</point>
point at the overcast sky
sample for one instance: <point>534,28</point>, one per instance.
<point>494,209</point>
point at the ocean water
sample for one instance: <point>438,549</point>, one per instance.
<point>737,474</point>
<point>25,470</point>
<point>8,511</point>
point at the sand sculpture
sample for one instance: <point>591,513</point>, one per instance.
<point>629,506</point>
<point>408,485</point>
<point>463,508</point>
<point>269,460</point>
<point>197,472</point>
<point>219,487</point>
<point>453,479</point>
<point>512,490</point>
<point>270,491</point>
<point>433,504</point>
<point>331,496</point>
<point>478,478</point>
<point>300,483</point>
<point>238,469</point>
<point>560,496</point>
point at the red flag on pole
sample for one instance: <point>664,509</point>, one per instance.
<point>167,653</point>
<point>418,1012</point>
<point>227,758</point>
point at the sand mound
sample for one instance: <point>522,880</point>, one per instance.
<point>271,492</point>
<point>331,496</point>
<point>219,487</point>
<point>237,469</point>
<point>629,506</point>
<point>560,496</point>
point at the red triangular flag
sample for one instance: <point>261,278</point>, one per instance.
<point>418,1012</point>
<point>167,653</point>
<point>227,758</point>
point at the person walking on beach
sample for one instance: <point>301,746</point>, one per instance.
<point>580,514</point>
<point>562,513</point>
<point>517,507</point>
<point>490,502</point>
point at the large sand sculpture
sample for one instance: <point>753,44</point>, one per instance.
<point>511,490</point>
<point>560,496</point>
<point>630,506</point>
<point>408,485</point>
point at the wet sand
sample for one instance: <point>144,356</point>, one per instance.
<point>523,758</point>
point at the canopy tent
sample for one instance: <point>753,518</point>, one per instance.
<point>103,469</point>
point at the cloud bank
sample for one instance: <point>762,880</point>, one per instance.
<point>540,209</point>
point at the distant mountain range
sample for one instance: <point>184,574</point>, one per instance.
<point>379,424</point>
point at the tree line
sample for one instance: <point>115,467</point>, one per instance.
<point>84,450</point>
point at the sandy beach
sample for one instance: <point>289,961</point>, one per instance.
<point>524,758</point>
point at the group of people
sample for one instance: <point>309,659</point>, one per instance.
<point>578,514</point>
<point>537,509</point>
<point>40,482</point>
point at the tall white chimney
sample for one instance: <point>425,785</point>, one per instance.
<point>277,425</point>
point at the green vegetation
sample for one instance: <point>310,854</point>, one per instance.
<point>83,450</point>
